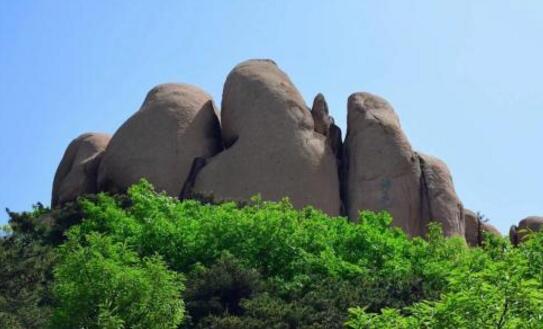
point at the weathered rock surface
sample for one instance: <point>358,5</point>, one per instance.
<point>518,233</point>
<point>489,228</point>
<point>439,199</point>
<point>474,228</point>
<point>176,123</point>
<point>324,124</point>
<point>382,172</point>
<point>77,172</point>
<point>320,114</point>
<point>272,148</point>
<point>276,147</point>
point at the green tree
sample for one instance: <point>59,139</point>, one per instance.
<point>103,284</point>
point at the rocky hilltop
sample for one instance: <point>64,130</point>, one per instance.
<point>267,141</point>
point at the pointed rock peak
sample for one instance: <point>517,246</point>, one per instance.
<point>319,104</point>
<point>322,121</point>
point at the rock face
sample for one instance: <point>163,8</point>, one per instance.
<point>77,171</point>
<point>382,172</point>
<point>439,199</point>
<point>176,123</point>
<point>474,228</point>
<point>271,144</point>
<point>272,147</point>
<point>529,224</point>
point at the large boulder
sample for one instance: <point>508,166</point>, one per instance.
<point>439,199</point>
<point>77,172</point>
<point>176,124</point>
<point>475,228</point>
<point>272,148</point>
<point>518,233</point>
<point>382,172</point>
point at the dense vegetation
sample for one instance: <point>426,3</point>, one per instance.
<point>145,260</point>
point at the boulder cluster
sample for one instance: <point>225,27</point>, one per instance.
<point>267,141</point>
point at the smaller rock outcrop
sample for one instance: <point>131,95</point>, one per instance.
<point>519,232</point>
<point>321,117</point>
<point>475,228</point>
<point>77,172</point>
<point>439,199</point>
<point>176,124</point>
<point>491,229</point>
<point>325,125</point>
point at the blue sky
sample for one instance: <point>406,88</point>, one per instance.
<point>466,77</point>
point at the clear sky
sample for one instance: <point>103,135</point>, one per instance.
<point>466,77</point>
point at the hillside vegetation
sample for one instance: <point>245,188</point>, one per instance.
<point>145,260</point>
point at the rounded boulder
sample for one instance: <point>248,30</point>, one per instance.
<point>382,172</point>
<point>176,124</point>
<point>77,172</point>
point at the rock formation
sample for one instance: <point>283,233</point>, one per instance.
<point>475,228</point>
<point>519,232</point>
<point>321,118</point>
<point>439,199</point>
<point>324,124</point>
<point>77,171</point>
<point>176,123</point>
<point>272,147</point>
<point>382,172</point>
<point>276,147</point>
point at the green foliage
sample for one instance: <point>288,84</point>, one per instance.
<point>25,278</point>
<point>220,288</point>
<point>500,287</point>
<point>310,268</point>
<point>26,262</point>
<point>100,283</point>
<point>263,265</point>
